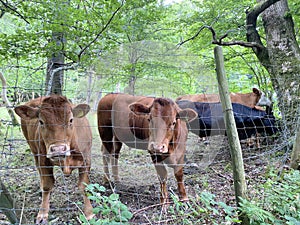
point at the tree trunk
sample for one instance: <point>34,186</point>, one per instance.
<point>133,59</point>
<point>9,207</point>
<point>90,74</point>
<point>284,53</point>
<point>281,57</point>
<point>55,75</point>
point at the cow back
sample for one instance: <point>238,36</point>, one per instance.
<point>115,118</point>
<point>248,120</point>
<point>247,99</point>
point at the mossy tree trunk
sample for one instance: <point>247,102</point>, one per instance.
<point>280,56</point>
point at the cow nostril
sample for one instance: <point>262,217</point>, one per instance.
<point>61,149</point>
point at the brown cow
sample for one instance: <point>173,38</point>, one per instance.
<point>155,124</point>
<point>256,97</point>
<point>58,134</point>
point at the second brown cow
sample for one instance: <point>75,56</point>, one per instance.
<point>252,99</point>
<point>154,124</point>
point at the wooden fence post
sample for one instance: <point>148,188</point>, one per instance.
<point>233,139</point>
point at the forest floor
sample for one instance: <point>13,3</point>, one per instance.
<point>208,169</point>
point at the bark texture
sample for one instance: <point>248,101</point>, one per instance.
<point>284,55</point>
<point>281,57</point>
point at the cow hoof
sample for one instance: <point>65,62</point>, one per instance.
<point>185,199</point>
<point>42,218</point>
<point>41,221</point>
<point>90,216</point>
<point>117,186</point>
<point>105,179</point>
<point>206,142</point>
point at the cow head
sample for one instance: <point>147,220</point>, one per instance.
<point>54,118</point>
<point>262,99</point>
<point>164,120</point>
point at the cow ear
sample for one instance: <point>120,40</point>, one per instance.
<point>26,112</point>
<point>80,110</point>
<point>256,91</point>
<point>187,114</point>
<point>139,108</point>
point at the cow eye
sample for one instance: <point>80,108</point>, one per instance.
<point>41,122</point>
<point>174,123</point>
<point>71,122</point>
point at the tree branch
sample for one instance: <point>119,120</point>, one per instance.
<point>253,38</point>
<point>252,33</point>
<point>197,34</point>
<point>101,31</point>
<point>220,40</point>
<point>14,10</point>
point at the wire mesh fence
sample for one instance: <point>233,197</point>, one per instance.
<point>207,162</point>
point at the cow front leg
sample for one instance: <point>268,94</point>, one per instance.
<point>84,178</point>
<point>47,183</point>
<point>162,176</point>
<point>178,172</point>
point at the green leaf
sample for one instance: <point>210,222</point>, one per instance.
<point>113,197</point>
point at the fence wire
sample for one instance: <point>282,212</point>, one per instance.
<point>207,164</point>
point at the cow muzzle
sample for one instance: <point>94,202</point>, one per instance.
<point>157,148</point>
<point>58,152</point>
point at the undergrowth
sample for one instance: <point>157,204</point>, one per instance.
<point>278,204</point>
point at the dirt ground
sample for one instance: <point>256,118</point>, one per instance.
<point>208,168</point>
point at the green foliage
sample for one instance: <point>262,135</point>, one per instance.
<point>203,209</point>
<point>279,204</point>
<point>152,62</point>
<point>109,209</point>
<point>137,43</point>
<point>80,22</point>
<point>256,214</point>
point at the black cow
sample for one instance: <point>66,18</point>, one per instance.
<point>249,121</point>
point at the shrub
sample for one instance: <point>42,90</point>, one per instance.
<point>203,209</point>
<point>278,204</point>
<point>109,210</point>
